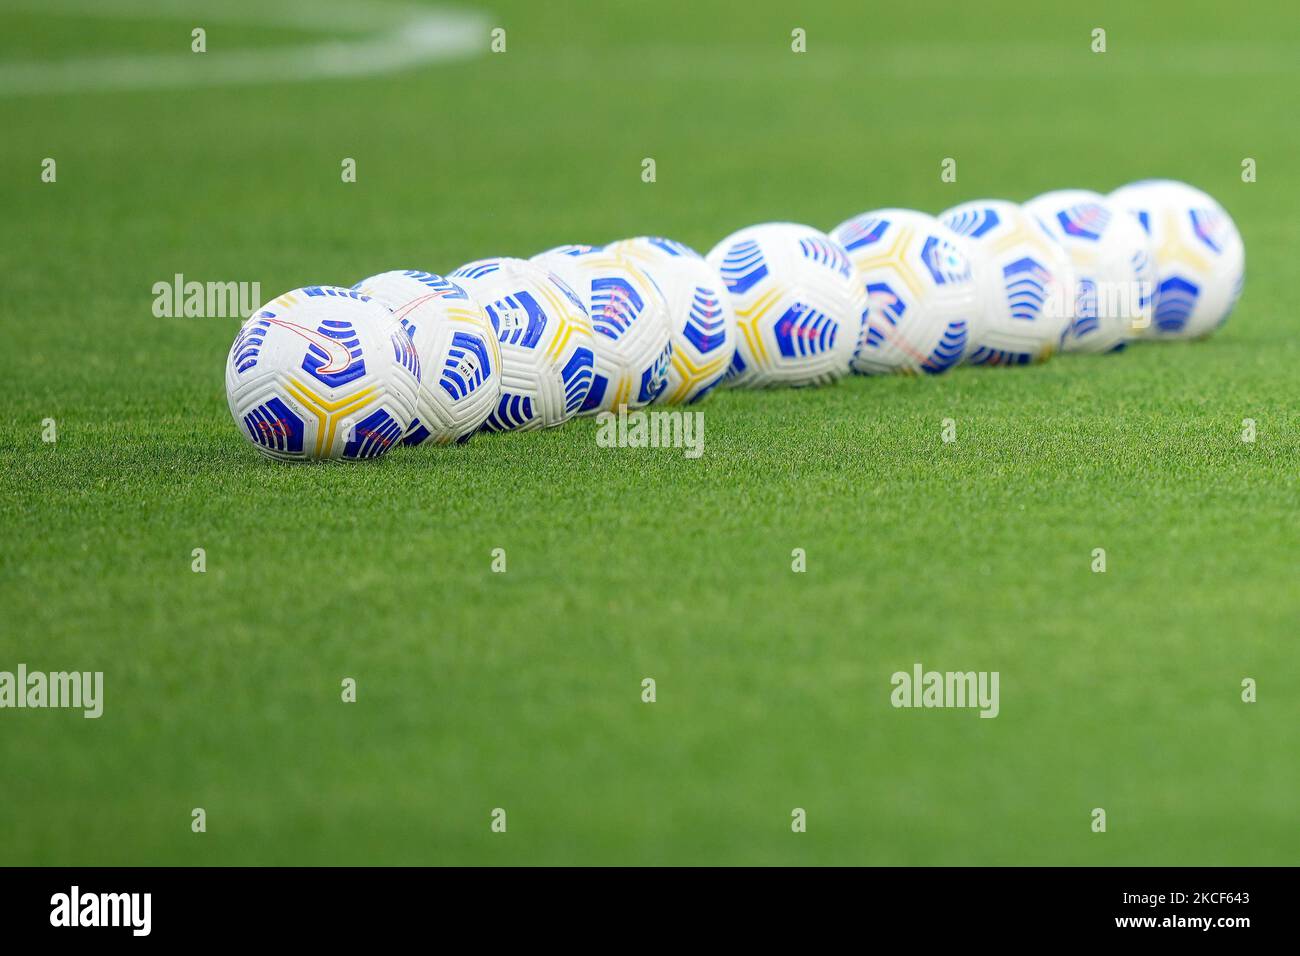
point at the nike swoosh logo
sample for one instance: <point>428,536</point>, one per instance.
<point>414,304</point>
<point>880,300</point>
<point>339,355</point>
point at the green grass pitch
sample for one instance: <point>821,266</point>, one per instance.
<point>522,690</point>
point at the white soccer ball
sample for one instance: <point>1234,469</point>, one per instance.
<point>923,298</point>
<point>699,309</point>
<point>1200,260</point>
<point>799,304</point>
<point>458,350</point>
<point>322,372</point>
<point>545,338</point>
<point>629,319</point>
<point>1025,278</point>
<point>1112,265</point>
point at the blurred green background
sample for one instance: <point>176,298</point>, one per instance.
<point>522,690</point>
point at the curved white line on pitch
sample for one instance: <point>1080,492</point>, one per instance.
<point>388,37</point>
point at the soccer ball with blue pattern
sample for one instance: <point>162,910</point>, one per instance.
<point>461,361</point>
<point>923,297</point>
<point>799,304</point>
<point>1200,260</point>
<point>699,310</point>
<point>545,338</point>
<point>1025,278</point>
<point>629,322</point>
<point>1112,264</point>
<point>320,373</point>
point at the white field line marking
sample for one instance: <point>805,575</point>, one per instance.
<point>386,37</point>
